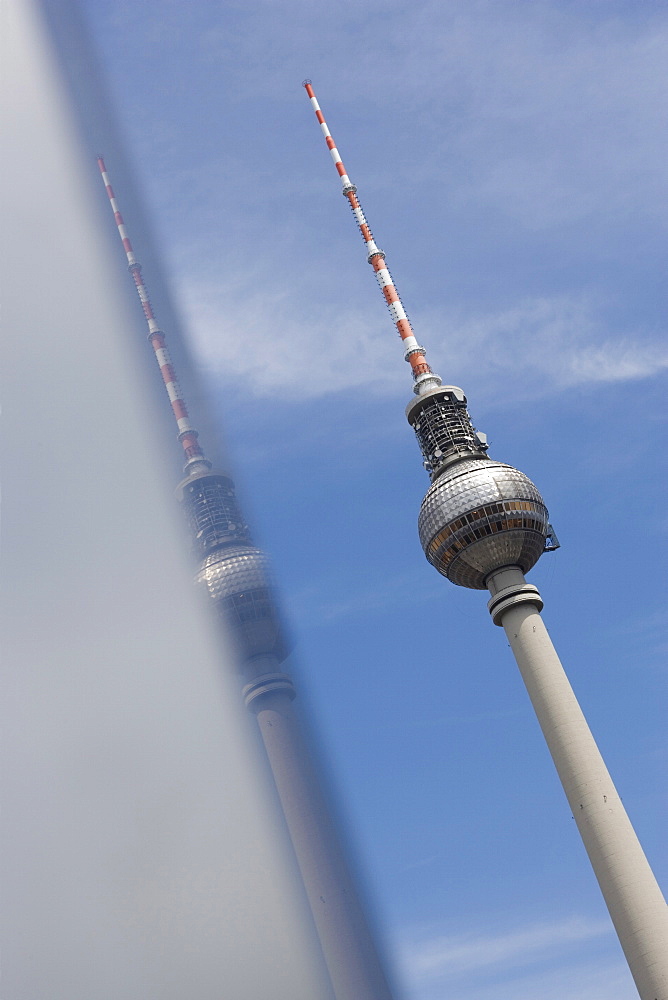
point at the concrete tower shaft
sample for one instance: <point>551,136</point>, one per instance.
<point>483,525</point>
<point>636,905</point>
<point>235,577</point>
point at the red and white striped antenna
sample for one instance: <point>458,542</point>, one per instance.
<point>424,377</point>
<point>187,434</point>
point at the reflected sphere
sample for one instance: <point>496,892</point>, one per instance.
<point>238,580</point>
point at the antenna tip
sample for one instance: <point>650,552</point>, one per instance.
<point>307,82</point>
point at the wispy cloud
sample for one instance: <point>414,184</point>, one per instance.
<point>291,346</point>
<point>563,960</point>
<point>604,980</point>
<point>568,103</point>
<point>453,955</point>
<point>545,344</point>
<point>542,345</point>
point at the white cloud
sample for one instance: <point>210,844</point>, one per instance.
<point>276,342</point>
<point>292,347</point>
<point>545,344</point>
<point>454,955</point>
<point>553,961</point>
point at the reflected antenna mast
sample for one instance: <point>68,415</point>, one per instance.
<point>195,459</point>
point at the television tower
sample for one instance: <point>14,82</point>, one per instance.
<point>483,525</point>
<point>235,575</point>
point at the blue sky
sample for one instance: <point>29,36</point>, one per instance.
<point>510,157</point>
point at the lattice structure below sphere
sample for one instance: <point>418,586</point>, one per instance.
<point>213,511</point>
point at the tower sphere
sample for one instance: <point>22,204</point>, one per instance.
<point>478,516</point>
<point>237,580</point>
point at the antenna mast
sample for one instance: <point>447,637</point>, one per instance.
<point>187,434</point>
<point>413,353</point>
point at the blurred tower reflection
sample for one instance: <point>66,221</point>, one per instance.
<point>234,574</point>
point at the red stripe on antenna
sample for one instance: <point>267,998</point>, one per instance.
<point>376,257</point>
<point>187,436</point>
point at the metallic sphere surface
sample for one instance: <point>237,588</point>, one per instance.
<point>233,569</point>
<point>478,516</point>
<point>237,578</point>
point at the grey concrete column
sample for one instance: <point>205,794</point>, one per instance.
<point>634,900</point>
<point>349,949</point>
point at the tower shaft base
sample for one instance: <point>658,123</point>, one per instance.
<point>632,895</point>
